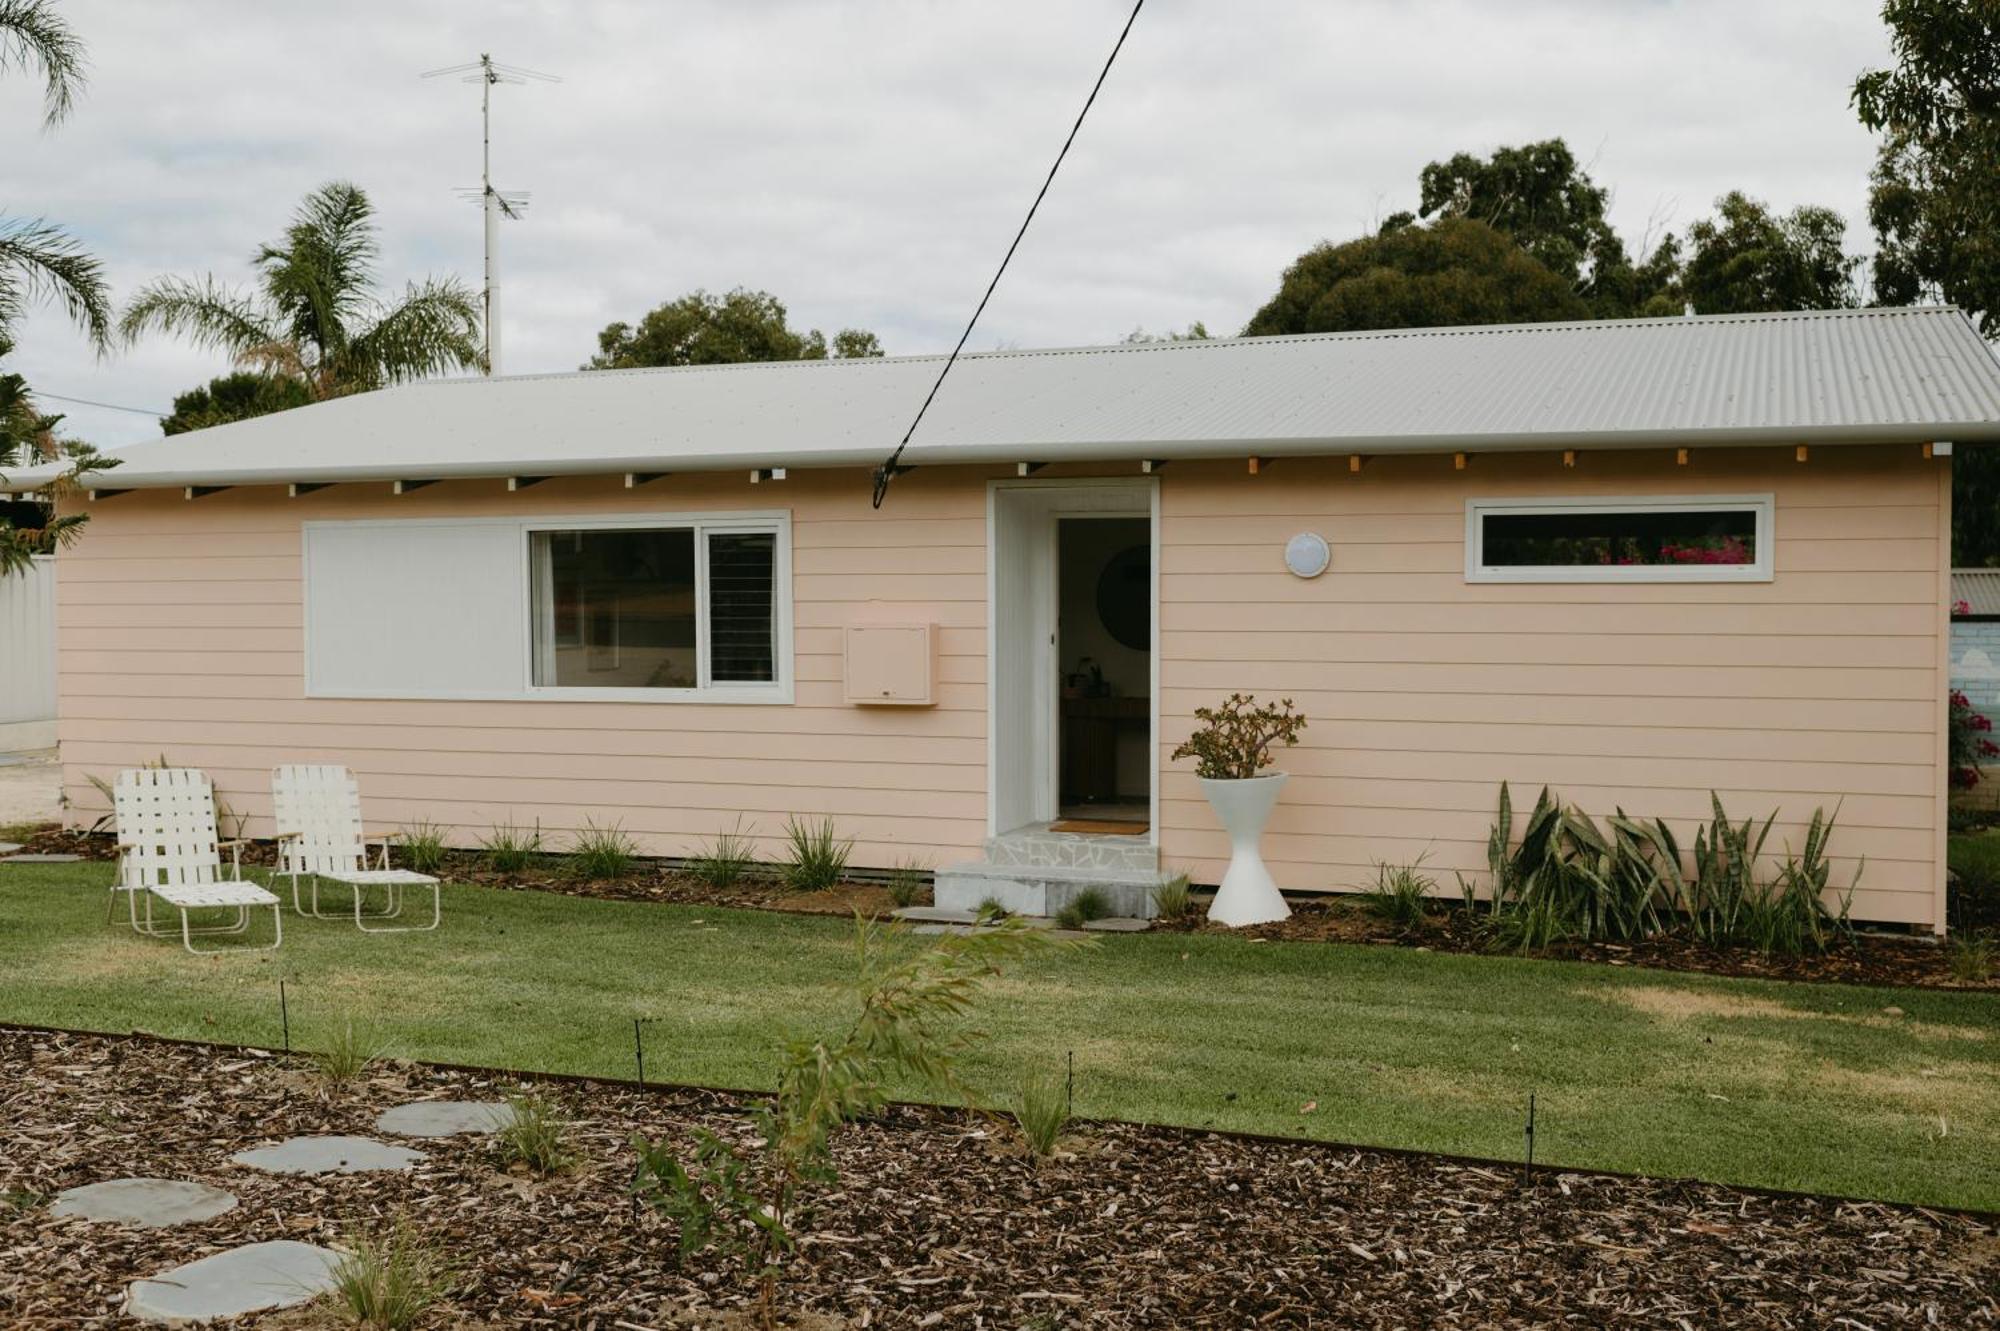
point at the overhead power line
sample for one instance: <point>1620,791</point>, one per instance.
<point>86,402</point>
<point>887,471</point>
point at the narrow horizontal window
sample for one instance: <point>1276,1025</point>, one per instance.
<point>1665,540</point>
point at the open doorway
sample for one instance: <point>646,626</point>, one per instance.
<point>1104,629</point>
<point>1071,578</point>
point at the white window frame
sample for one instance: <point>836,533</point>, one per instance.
<point>706,690</point>
<point>1762,570</point>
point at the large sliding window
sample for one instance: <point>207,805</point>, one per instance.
<point>689,606</point>
<point>685,607</point>
<point>1701,539</point>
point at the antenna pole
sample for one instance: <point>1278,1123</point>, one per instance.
<point>489,203</point>
<point>493,204</point>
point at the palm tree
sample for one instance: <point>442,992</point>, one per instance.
<point>314,317</point>
<point>37,259</point>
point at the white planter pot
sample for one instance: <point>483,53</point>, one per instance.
<point>1247,894</point>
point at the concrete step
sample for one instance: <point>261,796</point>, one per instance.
<point>1044,889</point>
<point>1037,847</point>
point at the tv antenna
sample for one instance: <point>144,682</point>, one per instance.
<point>486,71</point>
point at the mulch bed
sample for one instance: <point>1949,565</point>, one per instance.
<point>938,1219</point>
<point>1873,959</point>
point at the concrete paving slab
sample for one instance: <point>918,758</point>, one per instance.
<point>149,1203</point>
<point>329,1155</point>
<point>1053,931</point>
<point>59,858</point>
<point>1118,924</point>
<point>936,915</point>
<point>254,1278</point>
<point>445,1118</point>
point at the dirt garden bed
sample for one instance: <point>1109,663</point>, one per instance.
<point>939,1219</point>
<point>1876,959</point>
<point>1872,959</point>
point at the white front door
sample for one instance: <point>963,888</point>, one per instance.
<point>1023,686</point>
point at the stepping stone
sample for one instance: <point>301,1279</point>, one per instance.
<point>936,915</point>
<point>254,1278</point>
<point>1044,925</point>
<point>1118,924</point>
<point>9,847</point>
<point>328,1155</point>
<point>147,1202</point>
<point>445,1118</point>
<point>42,859</point>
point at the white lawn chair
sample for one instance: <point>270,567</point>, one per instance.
<point>318,813</point>
<point>168,848</point>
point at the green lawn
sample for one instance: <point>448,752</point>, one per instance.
<point>1791,1086</point>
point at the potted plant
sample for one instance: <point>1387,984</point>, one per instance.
<point>1231,748</point>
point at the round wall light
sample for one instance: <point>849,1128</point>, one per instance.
<point>1308,554</point>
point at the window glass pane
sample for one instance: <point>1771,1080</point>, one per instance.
<point>742,578</point>
<point>615,609</point>
<point>1583,537</point>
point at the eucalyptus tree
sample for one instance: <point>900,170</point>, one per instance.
<point>314,316</point>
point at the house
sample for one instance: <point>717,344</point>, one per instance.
<point>1975,655</point>
<point>28,656</point>
<point>1636,561</point>
<point>1975,636</point>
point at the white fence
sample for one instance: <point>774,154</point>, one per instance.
<point>28,657</point>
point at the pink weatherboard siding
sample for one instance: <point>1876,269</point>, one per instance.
<point>1820,687</point>
<point>180,630</point>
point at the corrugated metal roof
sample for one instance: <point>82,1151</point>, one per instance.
<point>1977,589</point>
<point>1846,376</point>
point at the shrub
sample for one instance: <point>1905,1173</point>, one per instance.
<point>536,1135</point>
<point>1042,1112</point>
<point>991,909</point>
<point>1234,740</point>
<point>1791,915</point>
<point>349,1053</point>
<point>421,847</point>
<point>1567,879</point>
<point>1971,958</point>
<point>906,884</point>
<point>510,849</point>
<point>1724,892</point>
<point>818,857</point>
<point>390,1283</point>
<point>1402,893</point>
<point>601,852</point>
<point>1966,741</point>
<point>1172,900</point>
<point>1087,905</point>
<point>725,861</point>
<point>1972,897</point>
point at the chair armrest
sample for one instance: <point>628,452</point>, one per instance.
<point>237,844</point>
<point>235,849</point>
<point>384,838</point>
<point>285,836</point>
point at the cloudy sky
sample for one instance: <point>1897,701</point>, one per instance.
<point>868,160</point>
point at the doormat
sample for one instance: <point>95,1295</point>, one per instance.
<point>1099,826</point>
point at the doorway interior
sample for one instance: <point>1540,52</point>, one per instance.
<point>1104,650</point>
<point>1073,642</point>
